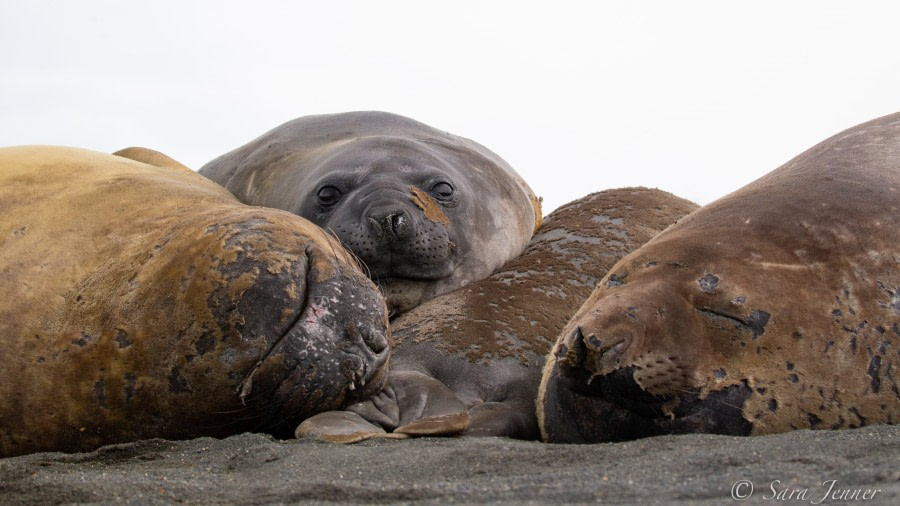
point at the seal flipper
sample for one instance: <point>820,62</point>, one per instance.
<point>411,404</point>
<point>426,406</point>
<point>341,427</point>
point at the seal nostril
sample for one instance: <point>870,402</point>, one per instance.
<point>394,223</point>
<point>577,351</point>
<point>376,342</point>
<point>375,225</point>
<point>397,222</point>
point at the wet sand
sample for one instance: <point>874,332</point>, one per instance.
<point>255,469</point>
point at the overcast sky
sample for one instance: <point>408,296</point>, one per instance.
<point>696,98</point>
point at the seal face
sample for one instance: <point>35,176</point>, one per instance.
<point>470,361</point>
<point>424,210</point>
<point>144,301</point>
<point>772,309</point>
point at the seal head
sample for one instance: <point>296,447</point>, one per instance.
<point>145,301</point>
<point>425,211</point>
<point>774,308</point>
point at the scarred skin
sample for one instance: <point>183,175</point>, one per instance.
<point>774,308</point>
<point>141,301</point>
<point>426,211</point>
<point>470,361</point>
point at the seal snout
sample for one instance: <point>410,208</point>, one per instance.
<point>375,342</point>
<point>390,224</point>
<point>367,351</point>
<point>583,350</point>
<point>395,240</point>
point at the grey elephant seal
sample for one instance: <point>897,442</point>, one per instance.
<point>425,211</point>
<point>774,308</point>
<point>141,301</point>
<point>470,361</point>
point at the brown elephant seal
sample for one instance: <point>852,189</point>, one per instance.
<point>470,361</point>
<point>425,211</point>
<point>140,302</point>
<point>774,308</point>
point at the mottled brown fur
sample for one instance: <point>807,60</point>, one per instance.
<point>519,310</point>
<point>429,207</point>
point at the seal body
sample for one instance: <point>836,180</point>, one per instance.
<point>140,301</point>
<point>426,211</point>
<point>774,308</point>
<point>470,361</point>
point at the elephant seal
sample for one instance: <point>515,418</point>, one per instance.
<point>425,211</point>
<point>470,361</point>
<point>139,301</point>
<point>775,308</point>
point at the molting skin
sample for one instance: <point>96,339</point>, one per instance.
<point>772,309</point>
<point>144,301</point>
<point>470,361</point>
<point>424,210</point>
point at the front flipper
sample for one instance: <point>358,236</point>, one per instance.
<point>411,404</point>
<point>503,419</point>
<point>341,427</point>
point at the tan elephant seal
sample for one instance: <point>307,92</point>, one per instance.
<point>426,211</point>
<point>470,361</point>
<point>139,302</point>
<point>774,308</point>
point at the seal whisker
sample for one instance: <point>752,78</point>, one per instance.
<point>359,263</point>
<point>717,401</point>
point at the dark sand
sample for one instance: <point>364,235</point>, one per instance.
<point>255,469</point>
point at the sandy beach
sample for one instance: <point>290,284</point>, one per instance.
<point>794,468</point>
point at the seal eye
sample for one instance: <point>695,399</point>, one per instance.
<point>443,190</point>
<point>328,195</point>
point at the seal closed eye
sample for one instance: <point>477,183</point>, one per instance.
<point>771,309</point>
<point>426,211</point>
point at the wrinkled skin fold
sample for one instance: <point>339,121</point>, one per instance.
<point>141,301</point>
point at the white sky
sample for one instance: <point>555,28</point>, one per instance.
<point>697,98</point>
